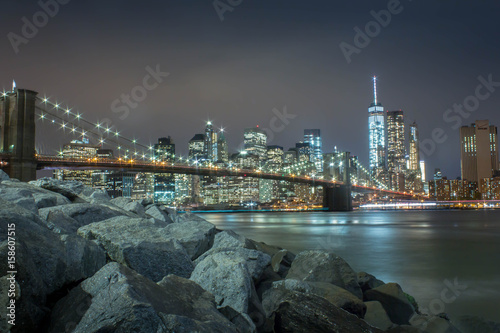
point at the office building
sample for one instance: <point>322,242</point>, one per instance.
<point>255,142</point>
<point>479,151</point>
<point>313,138</point>
<point>414,178</point>
<point>196,148</point>
<point>396,151</point>
<point>210,143</point>
<point>222,150</point>
<point>164,183</point>
<point>376,134</point>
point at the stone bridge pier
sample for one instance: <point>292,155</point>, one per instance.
<point>17,133</point>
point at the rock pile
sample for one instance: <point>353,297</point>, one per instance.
<point>87,263</point>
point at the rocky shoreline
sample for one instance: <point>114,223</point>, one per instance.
<point>88,263</point>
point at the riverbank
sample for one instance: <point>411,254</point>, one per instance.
<point>88,263</point>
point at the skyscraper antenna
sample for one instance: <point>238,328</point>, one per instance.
<point>375,90</point>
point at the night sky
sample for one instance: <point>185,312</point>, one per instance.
<point>263,55</point>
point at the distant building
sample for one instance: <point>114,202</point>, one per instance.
<point>452,190</point>
<point>376,134</point>
<point>77,149</point>
<point>222,149</point>
<point>120,184</point>
<point>479,151</point>
<point>273,190</point>
<point>396,151</point>
<point>414,178</point>
<point>438,174</point>
<point>210,143</point>
<point>313,138</point>
<point>196,148</point>
<point>164,183</point>
<point>255,142</point>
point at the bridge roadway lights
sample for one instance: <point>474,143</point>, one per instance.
<point>17,126</point>
<point>337,198</point>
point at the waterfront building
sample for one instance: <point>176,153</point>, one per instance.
<point>453,190</point>
<point>143,186</point>
<point>164,183</point>
<point>78,149</point>
<point>479,152</point>
<point>120,184</point>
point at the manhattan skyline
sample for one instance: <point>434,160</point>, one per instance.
<point>262,56</point>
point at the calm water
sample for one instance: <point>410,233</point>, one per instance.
<point>417,249</point>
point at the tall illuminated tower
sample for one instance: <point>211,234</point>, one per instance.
<point>313,137</point>
<point>415,173</point>
<point>210,146</point>
<point>376,128</point>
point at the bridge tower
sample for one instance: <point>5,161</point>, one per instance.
<point>337,198</point>
<point>17,133</point>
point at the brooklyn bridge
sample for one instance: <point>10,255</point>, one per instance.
<point>22,109</point>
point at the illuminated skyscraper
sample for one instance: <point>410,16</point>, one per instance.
<point>210,145</point>
<point>313,137</point>
<point>222,150</point>
<point>396,152</point>
<point>376,128</point>
<point>164,183</point>
<point>414,173</point>
<point>196,148</point>
<point>255,142</point>
<point>414,148</point>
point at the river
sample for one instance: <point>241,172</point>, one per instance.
<point>424,251</point>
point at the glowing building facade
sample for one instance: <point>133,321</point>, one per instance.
<point>313,137</point>
<point>376,128</point>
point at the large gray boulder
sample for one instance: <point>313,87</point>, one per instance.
<point>83,213</point>
<point>196,236</point>
<point>394,300</point>
<point>325,266</point>
<point>376,316</point>
<point>230,239</point>
<point>335,295</point>
<point>69,189</point>
<point>367,281</point>
<point>117,299</point>
<point>129,205</point>
<point>94,195</point>
<point>45,263</point>
<point>299,312</point>
<point>70,185</point>
<point>61,223</point>
<point>230,275</point>
<point>141,244</point>
<point>3,176</point>
<point>158,214</point>
<point>29,196</point>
